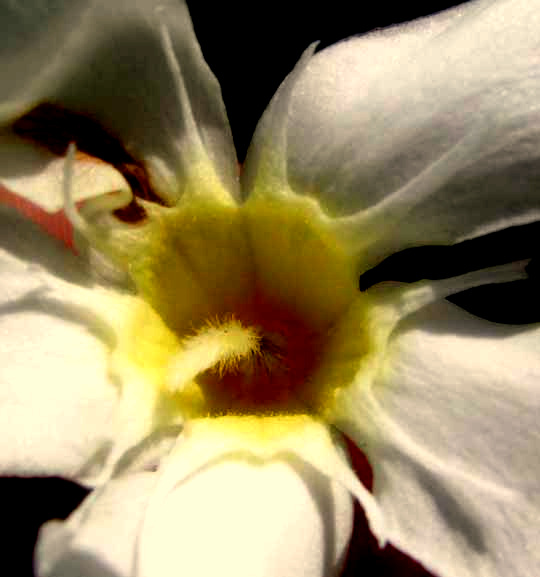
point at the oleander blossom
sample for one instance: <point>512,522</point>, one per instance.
<point>199,359</point>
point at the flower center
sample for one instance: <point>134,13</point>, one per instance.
<point>257,360</point>
<point>241,308</point>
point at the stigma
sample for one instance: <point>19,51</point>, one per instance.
<point>257,360</point>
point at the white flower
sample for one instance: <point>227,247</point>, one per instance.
<point>199,360</point>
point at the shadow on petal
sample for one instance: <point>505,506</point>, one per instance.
<point>67,312</point>
<point>26,241</point>
<point>81,564</point>
<point>450,319</point>
<point>457,514</point>
<point>318,486</point>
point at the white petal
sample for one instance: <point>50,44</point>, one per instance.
<point>241,518</point>
<point>100,538</point>
<point>234,518</point>
<point>424,133</point>
<point>456,452</point>
<point>107,59</point>
<point>266,439</point>
<point>56,400</point>
<point>37,175</point>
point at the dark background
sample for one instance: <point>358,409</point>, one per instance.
<point>251,46</point>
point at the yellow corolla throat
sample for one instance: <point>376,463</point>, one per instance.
<point>241,308</point>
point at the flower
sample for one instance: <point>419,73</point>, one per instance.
<point>199,382</point>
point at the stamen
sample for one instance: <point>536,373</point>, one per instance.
<point>221,346</point>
